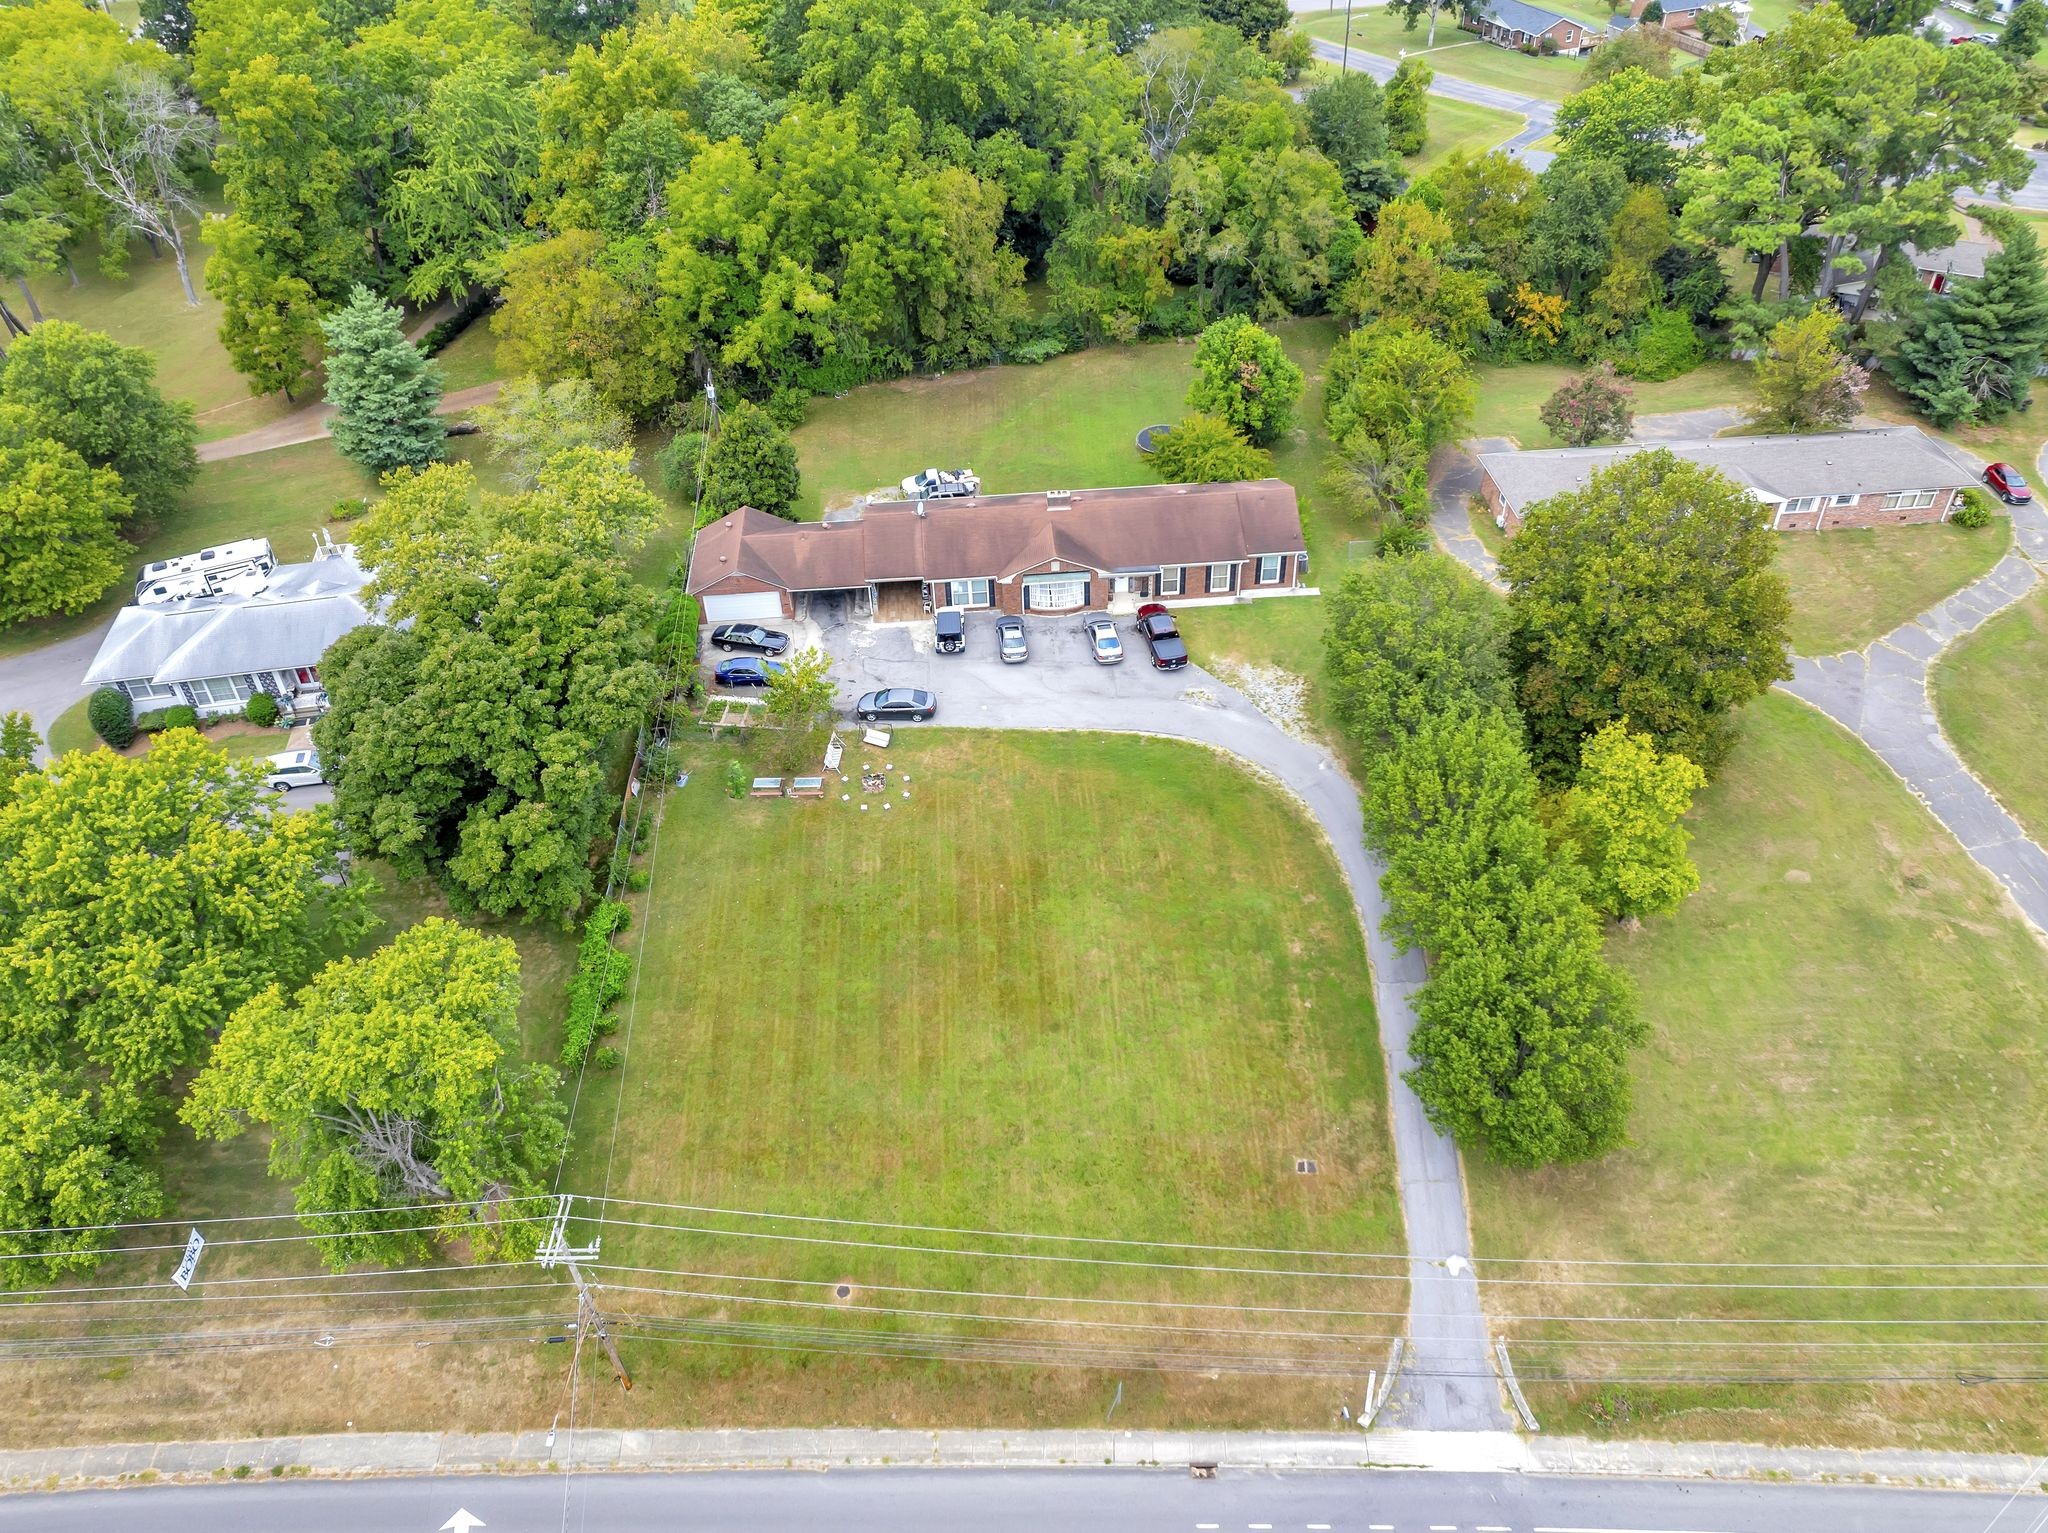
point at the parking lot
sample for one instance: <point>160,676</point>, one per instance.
<point>866,656</point>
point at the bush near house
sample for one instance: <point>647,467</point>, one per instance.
<point>112,716</point>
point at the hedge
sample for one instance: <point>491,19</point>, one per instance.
<point>600,979</point>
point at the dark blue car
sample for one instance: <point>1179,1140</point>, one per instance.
<point>746,672</point>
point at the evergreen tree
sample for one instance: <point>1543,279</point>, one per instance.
<point>382,389</point>
<point>1969,354</point>
<point>752,463</point>
<point>1406,105</point>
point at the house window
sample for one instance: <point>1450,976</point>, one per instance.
<point>1269,569</point>
<point>219,689</point>
<point>1171,577</point>
<point>967,593</point>
<point>1222,577</point>
<point>1841,500</point>
<point>1909,500</point>
<point>1061,595</point>
<point>1800,506</point>
<point>150,692</point>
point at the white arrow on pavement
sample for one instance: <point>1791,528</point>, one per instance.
<point>462,1522</point>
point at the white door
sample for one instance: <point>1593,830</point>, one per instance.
<point>748,607</point>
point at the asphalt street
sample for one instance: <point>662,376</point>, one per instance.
<point>996,1501</point>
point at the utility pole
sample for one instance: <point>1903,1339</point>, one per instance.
<point>1347,38</point>
<point>555,1251</point>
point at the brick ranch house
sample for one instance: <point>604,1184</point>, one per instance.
<point>1515,23</point>
<point>1061,551</point>
<point>1878,478</point>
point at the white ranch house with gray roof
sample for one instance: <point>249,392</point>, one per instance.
<point>1876,478</point>
<point>216,652</point>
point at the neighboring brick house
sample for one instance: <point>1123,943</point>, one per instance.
<point>216,652</point>
<point>1057,552</point>
<point>1515,24</point>
<point>1877,478</point>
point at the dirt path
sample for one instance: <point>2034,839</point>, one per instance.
<point>311,424</point>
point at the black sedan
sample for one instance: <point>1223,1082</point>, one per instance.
<point>747,672</point>
<point>897,703</point>
<point>1162,637</point>
<point>749,636</point>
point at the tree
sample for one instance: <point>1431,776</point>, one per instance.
<point>1406,104</point>
<point>1590,407</point>
<point>136,151</point>
<point>148,898</point>
<point>1402,275</point>
<point>799,705</point>
<point>1803,381</point>
<point>1489,201</point>
<point>470,746</point>
<point>1622,821</point>
<point>1879,18</point>
<point>383,390</point>
<point>59,549</point>
<point>2026,29</point>
<point>67,1170</point>
<point>1630,120</point>
<point>1411,11</point>
<point>270,319</point>
<point>1969,355</point>
<point>1255,20</point>
<point>395,1080</point>
<point>462,200</point>
<point>1205,449</point>
<point>1244,377</point>
<point>168,22</point>
<point>752,462</point>
<point>1718,25</point>
<point>578,306</point>
<point>1641,233</point>
<point>100,399</point>
<point>1571,235</point>
<point>1390,380</point>
<point>19,743</point>
<point>530,423</point>
<point>1388,481</point>
<point>1346,121</point>
<point>1766,173</point>
<point>1648,595</point>
<point>1647,48</point>
<point>1408,640</point>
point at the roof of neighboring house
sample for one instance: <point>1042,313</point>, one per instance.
<point>998,536</point>
<point>1775,468</point>
<point>301,610</point>
<point>1965,258</point>
<point>1518,16</point>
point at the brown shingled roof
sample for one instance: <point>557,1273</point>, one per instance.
<point>998,536</point>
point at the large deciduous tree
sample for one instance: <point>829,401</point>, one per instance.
<point>1347,122</point>
<point>1391,379</point>
<point>59,544</point>
<point>395,1080</point>
<point>1650,595</point>
<point>1622,820</point>
<point>752,462</point>
<point>137,150</point>
<point>1205,449</point>
<point>461,201</point>
<point>580,306</point>
<point>530,423</point>
<point>383,390</point>
<point>1404,273</point>
<point>1243,376</point>
<point>100,399</point>
<point>1804,382</point>
<point>1409,639</point>
<point>66,1167</point>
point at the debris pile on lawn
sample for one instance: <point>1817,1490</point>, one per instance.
<point>1280,695</point>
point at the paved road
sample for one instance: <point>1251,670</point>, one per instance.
<point>315,421</point>
<point>44,682</point>
<point>1448,1382</point>
<point>1539,116</point>
<point>996,1501</point>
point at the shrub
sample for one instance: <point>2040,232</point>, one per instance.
<point>607,1059</point>
<point>262,710</point>
<point>1201,449</point>
<point>737,779</point>
<point>1547,46</point>
<point>788,406</point>
<point>1400,539</point>
<point>112,716</point>
<point>1974,512</point>
<point>1664,345</point>
<point>600,979</point>
<point>182,716</point>
<point>348,508</point>
<point>149,723</point>
<point>677,464</point>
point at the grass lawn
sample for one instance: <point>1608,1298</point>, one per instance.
<point>1076,984</point>
<point>471,358</point>
<point>1456,53</point>
<point>1285,633</point>
<point>1855,584</point>
<point>1849,1039</point>
<point>1511,394</point>
<point>1987,692</point>
<point>1459,125</point>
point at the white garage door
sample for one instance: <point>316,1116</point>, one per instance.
<point>751,607</point>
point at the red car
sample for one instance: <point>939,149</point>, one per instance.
<point>2007,485</point>
<point>1162,637</point>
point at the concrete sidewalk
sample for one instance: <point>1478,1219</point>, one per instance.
<point>418,1453</point>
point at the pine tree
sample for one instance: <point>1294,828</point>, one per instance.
<point>2003,320</point>
<point>382,389</point>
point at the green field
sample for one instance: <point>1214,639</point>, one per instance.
<point>1074,984</point>
<point>1511,394</point>
<point>1460,127</point>
<point>1456,53</point>
<point>1853,585</point>
<point>1849,1044</point>
<point>1987,693</point>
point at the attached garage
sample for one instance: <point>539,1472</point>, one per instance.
<point>744,607</point>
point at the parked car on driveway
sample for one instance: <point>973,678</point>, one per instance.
<point>2007,484</point>
<point>746,672</point>
<point>292,769</point>
<point>1103,642</point>
<point>897,703</point>
<point>1162,637</point>
<point>951,630</point>
<point>1010,645</point>
<point>749,636</point>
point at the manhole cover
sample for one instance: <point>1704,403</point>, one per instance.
<point>1306,1167</point>
<point>843,1292</point>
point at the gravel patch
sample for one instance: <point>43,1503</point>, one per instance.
<point>1280,695</point>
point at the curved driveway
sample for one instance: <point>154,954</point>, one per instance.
<point>1447,1381</point>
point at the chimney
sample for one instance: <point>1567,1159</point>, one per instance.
<point>1058,500</point>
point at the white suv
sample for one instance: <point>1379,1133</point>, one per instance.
<point>292,769</point>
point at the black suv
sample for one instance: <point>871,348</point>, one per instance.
<point>762,641</point>
<point>951,629</point>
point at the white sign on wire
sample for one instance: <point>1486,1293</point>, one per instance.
<point>194,1244</point>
